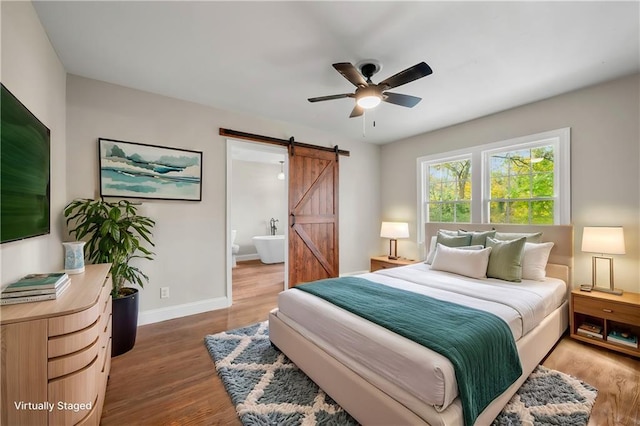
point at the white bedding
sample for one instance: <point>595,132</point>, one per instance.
<point>384,358</point>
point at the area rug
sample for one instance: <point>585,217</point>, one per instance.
<point>268,389</point>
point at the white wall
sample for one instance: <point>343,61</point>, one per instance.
<point>190,236</point>
<point>605,164</point>
<point>256,197</point>
<point>32,71</point>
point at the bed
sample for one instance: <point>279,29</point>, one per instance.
<point>380,377</point>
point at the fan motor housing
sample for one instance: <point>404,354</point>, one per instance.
<point>369,67</point>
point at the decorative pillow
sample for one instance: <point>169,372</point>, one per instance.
<point>505,261</point>
<point>478,237</point>
<point>447,232</point>
<point>449,241</point>
<point>461,261</point>
<point>532,237</point>
<point>534,261</point>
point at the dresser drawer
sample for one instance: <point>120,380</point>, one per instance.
<point>607,309</point>
<point>63,365</point>
<point>74,322</point>
<point>376,265</point>
<point>78,391</point>
<point>72,342</point>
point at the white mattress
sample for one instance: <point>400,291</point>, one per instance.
<point>385,358</point>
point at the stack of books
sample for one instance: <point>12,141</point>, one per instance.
<point>590,330</point>
<point>35,288</point>
<point>623,338</point>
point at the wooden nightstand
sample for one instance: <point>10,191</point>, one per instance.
<point>383,262</point>
<point>608,311</point>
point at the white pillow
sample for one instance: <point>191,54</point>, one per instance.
<point>433,247</point>
<point>462,261</point>
<point>534,260</point>
<point>432,250</point>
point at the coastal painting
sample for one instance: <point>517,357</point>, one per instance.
<point>135,170</point>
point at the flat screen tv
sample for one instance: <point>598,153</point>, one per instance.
<point>24,171</point>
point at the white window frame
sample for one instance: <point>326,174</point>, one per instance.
<point>560,139</point>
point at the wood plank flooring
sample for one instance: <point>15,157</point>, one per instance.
<point>169,379</point>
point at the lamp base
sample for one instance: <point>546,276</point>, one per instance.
<point>393,257</point>
<point>608,290</point>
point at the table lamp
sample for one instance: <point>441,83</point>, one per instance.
<point>603,240</point>
<point>394,230</point>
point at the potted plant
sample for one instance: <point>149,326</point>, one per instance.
<point>114,234</point>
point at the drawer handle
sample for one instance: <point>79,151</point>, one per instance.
<point>609,311</point>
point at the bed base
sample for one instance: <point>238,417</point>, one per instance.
<point>371,406</point>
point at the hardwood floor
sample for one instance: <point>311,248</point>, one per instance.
<point>169,378</point>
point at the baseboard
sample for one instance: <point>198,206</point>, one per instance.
<point>241,257</point>
<point>186,309</point>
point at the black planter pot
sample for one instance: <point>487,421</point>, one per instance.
<point>124,323</point>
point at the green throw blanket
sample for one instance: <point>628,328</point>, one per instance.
<point>479,344</point>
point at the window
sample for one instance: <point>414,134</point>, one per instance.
<point>449,186</point>
<point>522,181</point>
<point>520,187</point>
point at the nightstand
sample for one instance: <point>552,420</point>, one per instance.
<point>608,311</point>
<point>383,262</point>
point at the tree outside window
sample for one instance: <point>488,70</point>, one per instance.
<point>449,191</point>
<point>522,186</point>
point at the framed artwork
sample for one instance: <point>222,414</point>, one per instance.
<point>135,170</point>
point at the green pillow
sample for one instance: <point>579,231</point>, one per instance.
<point>532,237</point>
<point>450,241</point>
<point>478,237</point>
<point>505,260</point>
<point>453,240</point>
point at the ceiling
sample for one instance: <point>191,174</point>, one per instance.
<point>266,58</point>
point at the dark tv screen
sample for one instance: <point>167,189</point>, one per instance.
<point>24,171</point>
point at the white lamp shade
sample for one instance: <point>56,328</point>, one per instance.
<point>603,239</point>
<point>394,230</point>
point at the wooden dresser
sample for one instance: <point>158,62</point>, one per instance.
<point>56,354</point>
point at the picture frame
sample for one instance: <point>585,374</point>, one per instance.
<point>136,170</point>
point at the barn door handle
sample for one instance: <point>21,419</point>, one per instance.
<point>293,219</point>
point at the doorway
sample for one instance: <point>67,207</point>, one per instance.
<point>257,204</point>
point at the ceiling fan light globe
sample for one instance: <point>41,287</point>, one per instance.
<point>368,102</point>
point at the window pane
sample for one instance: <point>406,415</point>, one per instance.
<point>499,186</point>
<point>498,211</point>
<point>543,185</point>
<point>519,212</point>
<point>520,186</point>
<point>448,212</point>
<point>463,212</point>
<point>435,190</point>
<point>499,165</point>
<point>435,213</point>
<point>542,212</point>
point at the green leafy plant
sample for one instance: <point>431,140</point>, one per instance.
<point>114,233</point>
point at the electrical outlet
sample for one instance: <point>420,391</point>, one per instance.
<point>164,292</point>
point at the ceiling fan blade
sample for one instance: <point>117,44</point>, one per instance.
<point>357,111</point>
<point>351,73</point>
<point>331,97</point>
<point>400,99</point>
<point>407,76</point>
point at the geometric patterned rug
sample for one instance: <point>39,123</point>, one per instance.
<point>268,389</point>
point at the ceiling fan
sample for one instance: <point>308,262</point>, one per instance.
<point>369,95</point>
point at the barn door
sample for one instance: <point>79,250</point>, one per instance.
<point>313,215</point>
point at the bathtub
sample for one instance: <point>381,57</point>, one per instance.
<point>270,248</point>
